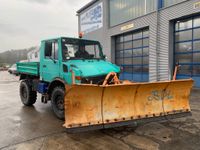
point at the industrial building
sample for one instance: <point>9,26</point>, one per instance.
<point>147,38</point>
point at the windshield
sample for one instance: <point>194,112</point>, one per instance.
<point>80,49</point>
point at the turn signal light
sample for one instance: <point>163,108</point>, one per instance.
<point>78,78</point>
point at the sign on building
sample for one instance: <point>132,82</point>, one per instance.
<point>92,19</point>
<point>196,5</point>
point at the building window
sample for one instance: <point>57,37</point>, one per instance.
<point>132,55</point>
<point>167,3</point>
<point>187,48</point>
<point>125,10</point>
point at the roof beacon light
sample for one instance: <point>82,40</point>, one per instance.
<point>81,35</point>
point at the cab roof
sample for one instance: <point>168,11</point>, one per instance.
<point>57,38</point>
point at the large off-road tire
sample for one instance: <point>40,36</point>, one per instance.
<point>28,97</point>
<point>57,102</point>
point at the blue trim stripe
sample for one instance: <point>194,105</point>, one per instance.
<point>181,30</point>
<point>187,41</point>
<point>142,38</point>
<point>191,52</point>
<point>160,4</point>
<point>129,49</point>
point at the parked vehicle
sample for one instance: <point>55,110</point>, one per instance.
<point>1,68</point>
<point>84,88</point>
<point>4,68</point>
<point>13,70</point>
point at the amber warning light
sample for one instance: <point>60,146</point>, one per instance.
<point>81,34</point>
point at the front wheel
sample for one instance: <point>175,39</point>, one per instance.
<point>57,102</point>
<point>28,97</point>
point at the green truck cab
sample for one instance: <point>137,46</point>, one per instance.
<point>62,61</point>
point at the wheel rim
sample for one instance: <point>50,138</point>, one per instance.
<point>59,103</point>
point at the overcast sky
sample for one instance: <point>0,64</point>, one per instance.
<point>23,23</point>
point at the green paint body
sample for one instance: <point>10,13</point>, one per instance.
<point>48,70</point>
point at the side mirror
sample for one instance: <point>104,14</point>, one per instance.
<point>104,57</point>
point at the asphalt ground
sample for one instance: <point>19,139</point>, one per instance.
<point>24,128</point>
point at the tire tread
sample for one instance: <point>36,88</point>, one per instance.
<point>32,95</point>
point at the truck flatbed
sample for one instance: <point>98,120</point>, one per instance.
<point>30,68</point>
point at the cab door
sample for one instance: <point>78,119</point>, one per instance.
<point>50,64</point>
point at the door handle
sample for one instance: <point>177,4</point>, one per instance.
<point>44,66</point>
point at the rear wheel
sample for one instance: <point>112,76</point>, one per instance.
<point>28,97</point>
<point>57,102</point>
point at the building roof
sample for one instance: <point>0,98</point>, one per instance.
<point>86,6</point>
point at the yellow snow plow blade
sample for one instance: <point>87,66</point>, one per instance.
<point>116,105</point>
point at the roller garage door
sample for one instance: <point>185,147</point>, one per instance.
<point>187,48</point>
<point>132,55</point>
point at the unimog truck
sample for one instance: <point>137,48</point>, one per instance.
<point>85,90</point>
<point>62,61</point>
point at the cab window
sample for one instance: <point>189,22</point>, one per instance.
<point>51,50</point>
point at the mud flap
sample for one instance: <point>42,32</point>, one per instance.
<point>113,105</point>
